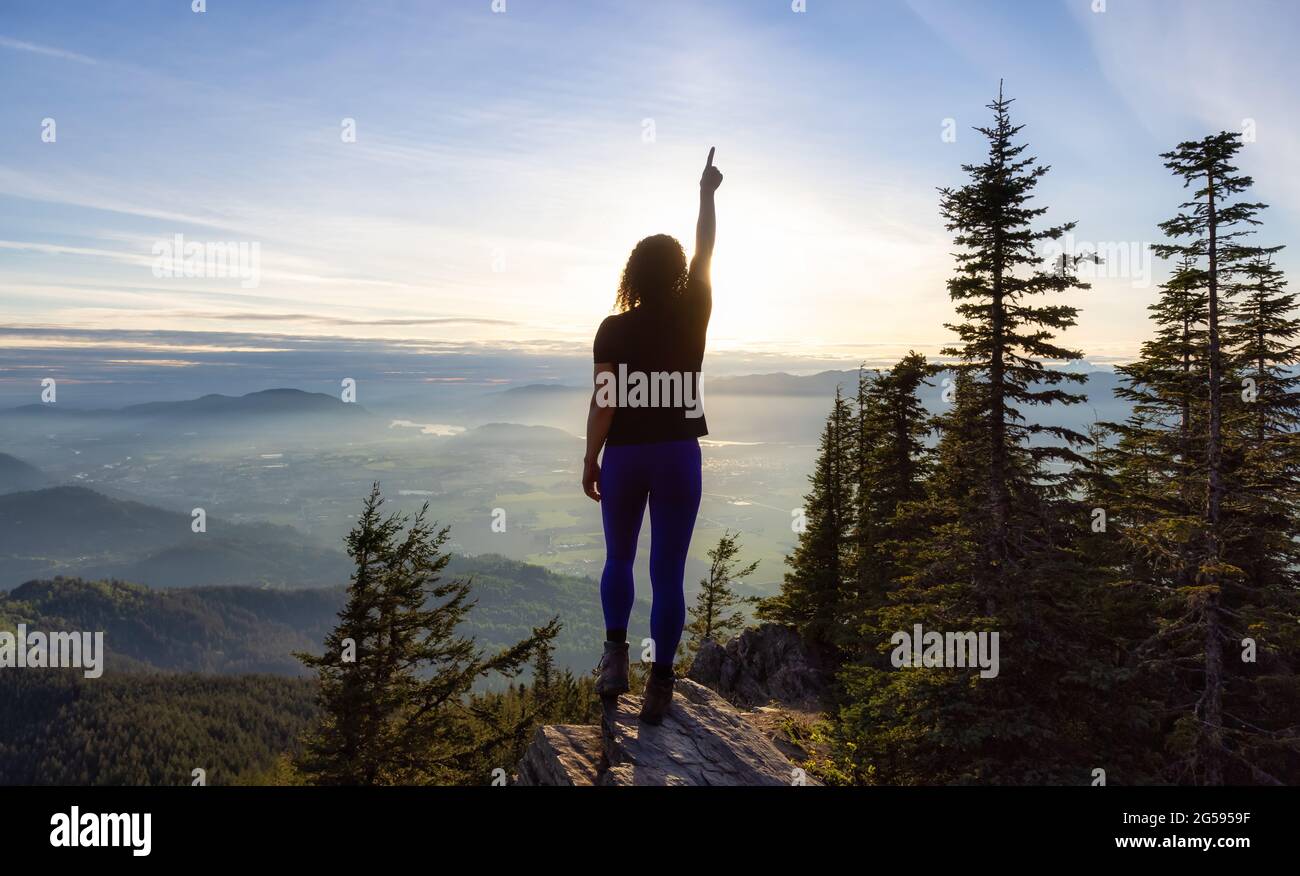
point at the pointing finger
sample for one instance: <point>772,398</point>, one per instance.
<point>709,163</point>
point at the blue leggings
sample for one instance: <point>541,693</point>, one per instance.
<point>668,475</point>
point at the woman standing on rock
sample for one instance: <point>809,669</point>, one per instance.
<point>646,414</point>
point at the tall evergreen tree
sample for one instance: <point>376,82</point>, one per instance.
<point>866,434</point>
<point>1209,230</point>
<point>1263,341</point>
<point>891,463</point>
<point>396,677</point>
<point>1152,490</point>
<point>998,527</point>
<point>812,591</point>
<point>1262,697</point>
<point>1156,492</point>
<point>1005,336</point>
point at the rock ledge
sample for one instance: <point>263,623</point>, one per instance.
<point>702,741</point>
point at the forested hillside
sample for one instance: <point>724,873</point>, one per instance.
<point>223,630</point>
<point>60,728</point>
<point>230,630</point>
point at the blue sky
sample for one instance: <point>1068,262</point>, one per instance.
<point>503,165</point>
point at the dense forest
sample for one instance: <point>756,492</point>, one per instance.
<point>1142,578</point>
<point>59,728</point>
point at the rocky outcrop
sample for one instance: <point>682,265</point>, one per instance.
<point>764,664</point>
<point>561,754</point>
<point>702,741</point>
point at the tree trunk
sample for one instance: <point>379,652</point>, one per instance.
<point>1212,698</point>
<point>1185,576</point>
<point>998,501</point>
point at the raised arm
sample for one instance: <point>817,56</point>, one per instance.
<point>706,226</point>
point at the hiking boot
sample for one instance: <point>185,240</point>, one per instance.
<point>611,672</point>
<point>658,697</point>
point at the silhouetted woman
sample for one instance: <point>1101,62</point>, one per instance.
<point>646,414</point>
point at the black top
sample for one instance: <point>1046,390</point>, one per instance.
<point>657,351</point>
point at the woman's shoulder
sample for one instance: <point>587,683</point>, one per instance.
<point>612,323</point>
<point>609,337</point>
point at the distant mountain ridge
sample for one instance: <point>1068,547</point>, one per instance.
<point>73,530</point>
<point>277,402</point>
<point>266,402</point>
<point>16,475</point>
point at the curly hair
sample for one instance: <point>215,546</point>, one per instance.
<point>654,274</point>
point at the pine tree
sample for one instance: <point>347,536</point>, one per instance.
<point>1156,493</point>
<point>715,615</point>
<point>891,462</point>
<point>863,573</point>
<point>1262,698</point>
<point>891,724</point>
<point>1152,489</point>
<point>891,466</point>
<point>1005,337</point>
<point>396,677</point>
<point>1264,344</point>
<point>1263,340</point>
<point>1209,230</point>
<point>812,592</point>
<point>995,535</point>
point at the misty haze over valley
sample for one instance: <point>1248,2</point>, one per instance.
<point>103,483</point>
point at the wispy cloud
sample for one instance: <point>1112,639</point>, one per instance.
<point>48,51</point>
<point>1186,68</point>
<point>339,321</point>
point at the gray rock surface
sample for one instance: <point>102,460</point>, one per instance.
<point>763,664</point>
<point>561,754</point>
<point>703,740</point>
